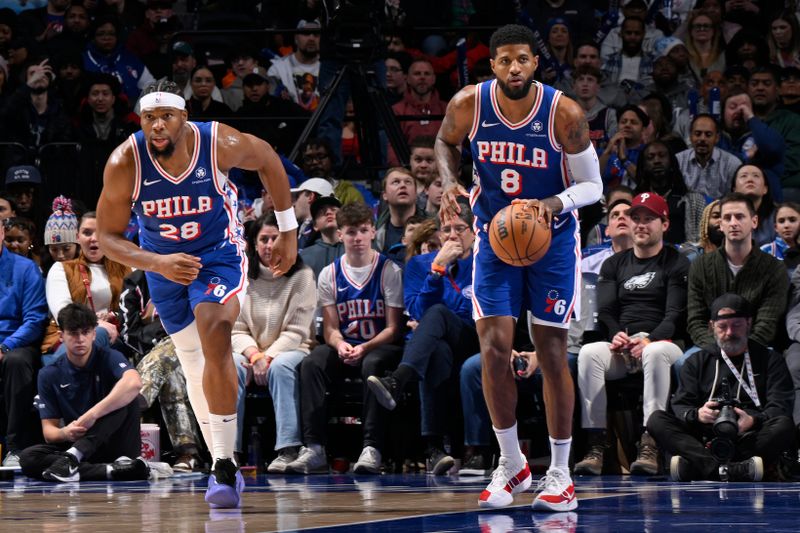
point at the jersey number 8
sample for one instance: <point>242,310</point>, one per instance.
<point>510,182</point>
<point>187,232</point>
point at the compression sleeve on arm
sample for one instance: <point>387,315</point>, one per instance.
<point>584,168</point>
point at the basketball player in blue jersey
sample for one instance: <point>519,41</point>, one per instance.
<point>173,175</point>
<point>529,144</point>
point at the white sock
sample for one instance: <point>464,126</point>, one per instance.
<point>109,469</point>
<point>223,434</point>
<point>509,443</point>
<point>76,453</point>
<point>559,453</point>
<point>190,354</point>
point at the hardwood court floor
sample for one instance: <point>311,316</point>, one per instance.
<point>390,503</point>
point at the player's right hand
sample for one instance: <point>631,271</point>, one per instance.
<point>180,268</point>
<point>449,207</point>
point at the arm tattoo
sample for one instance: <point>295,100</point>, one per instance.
<point>578,134</point>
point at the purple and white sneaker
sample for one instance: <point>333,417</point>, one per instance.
<point>225,485</point>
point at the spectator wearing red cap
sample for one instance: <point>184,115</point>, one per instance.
<point>641,296</point>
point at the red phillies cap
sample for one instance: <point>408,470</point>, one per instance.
<point>651,201</point>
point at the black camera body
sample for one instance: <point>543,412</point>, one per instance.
<point>726,426</point>
<point>355,29</point>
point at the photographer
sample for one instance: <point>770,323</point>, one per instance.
<point>759,403</point>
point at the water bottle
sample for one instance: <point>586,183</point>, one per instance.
<point>666,9</point>
<point>254,449</point>
<point>714,105</point>
<point>693,98</point>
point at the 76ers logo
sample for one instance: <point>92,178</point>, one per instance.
<point>537,126</point>
<point>215,288</point>
<point>554,304</point>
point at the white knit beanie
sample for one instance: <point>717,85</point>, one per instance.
<point>62,226</point>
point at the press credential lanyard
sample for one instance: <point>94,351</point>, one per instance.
<point>751,391</point>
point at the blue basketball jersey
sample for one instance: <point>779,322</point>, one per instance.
<point>194,212</point>
<point>515,160</point>
<point>361,309</point>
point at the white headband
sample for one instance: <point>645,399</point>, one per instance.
<point>159,99</point>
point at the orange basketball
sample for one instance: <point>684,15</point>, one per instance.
<point>517,237</point>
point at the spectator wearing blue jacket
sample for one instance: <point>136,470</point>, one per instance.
<point>437,292</point>
<point>23,317</point>
<point>750,139</point>
<point>106,53</point>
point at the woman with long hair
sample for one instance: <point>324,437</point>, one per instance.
<point>705,45</point>
<point>201,106</point>
<point>92,279</point>
<point>787,230</point>
<point>716,10</point>
<point>559,44</point>
<point>784,40</point>
<point>274,332</point>
<point>747,49</point>
<point>750,180</point>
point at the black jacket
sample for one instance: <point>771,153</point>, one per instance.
<point>704,371</point>
<point>136,331</point>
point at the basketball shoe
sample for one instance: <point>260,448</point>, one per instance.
<point>557,492</point>
<point>225,485</point>
<point>509,478</point>
<point>63,469</point>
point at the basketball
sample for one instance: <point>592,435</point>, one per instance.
<point>517,237</point>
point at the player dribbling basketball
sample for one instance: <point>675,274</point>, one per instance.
<point>529,143</point>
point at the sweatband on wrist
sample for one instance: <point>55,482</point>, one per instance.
<point>160,99</point>
<point>438,269</point>
<point>584,170</point>
<point>286,219</point>
<point>257,357</point>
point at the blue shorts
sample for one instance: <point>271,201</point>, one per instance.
<point>548,288</point>
<point>223,276</point>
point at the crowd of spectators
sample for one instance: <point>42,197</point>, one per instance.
<point>693,114</point>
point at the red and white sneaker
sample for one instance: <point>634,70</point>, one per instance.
<point>557,492</point>
<point>507,479</point>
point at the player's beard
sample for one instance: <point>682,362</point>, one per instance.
<point>516,94</point>
<point>163,152</point>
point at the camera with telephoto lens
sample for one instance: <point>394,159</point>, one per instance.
<point>726,426</point>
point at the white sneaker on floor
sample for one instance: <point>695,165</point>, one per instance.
<point>508,478</point>
<point>369,462</point>
<point>285,457</point>
<point>11,460</point>
<point>556,492</point>
<point>309,462</point>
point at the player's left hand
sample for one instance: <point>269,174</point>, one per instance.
<point>544,211</point>
<point>284,253</point>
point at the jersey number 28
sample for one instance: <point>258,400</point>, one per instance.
<point>187,231</point>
